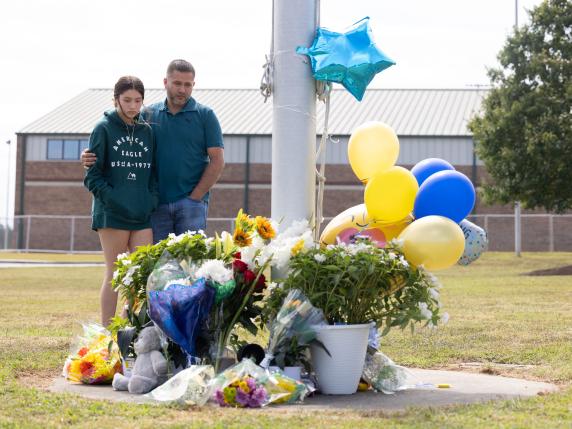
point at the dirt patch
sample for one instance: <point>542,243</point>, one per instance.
<point>558,271</point>
<point>39,379</point>
<point>502,369</point>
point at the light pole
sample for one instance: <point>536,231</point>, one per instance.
<point>6,226</point>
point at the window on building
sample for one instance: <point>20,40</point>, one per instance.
<point>66,149</point>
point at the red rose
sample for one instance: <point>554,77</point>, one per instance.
<point>261,283</point>
<point>239,266</point>
<point>237,255</point>
<point>249,276</point>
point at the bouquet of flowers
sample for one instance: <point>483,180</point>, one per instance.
<point>94,358</point>
<point>235,265</point>
<point>246,385</point>
<point>294,322</point>
<point>361,283</point>
<point>243,393</point>
<point>383,374</point>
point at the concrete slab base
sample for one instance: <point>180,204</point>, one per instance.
<point>465,388</point>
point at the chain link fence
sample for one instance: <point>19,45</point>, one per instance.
<point>73,234</point>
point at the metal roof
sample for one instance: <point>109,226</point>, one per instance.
<point>413,112</point>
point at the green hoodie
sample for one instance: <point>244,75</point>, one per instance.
<point>123,179</point>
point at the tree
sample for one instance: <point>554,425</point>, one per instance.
<point>524,132</point>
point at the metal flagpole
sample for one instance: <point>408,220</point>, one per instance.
<point>294,112</point>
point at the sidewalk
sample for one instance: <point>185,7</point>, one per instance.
<point>466,388</point>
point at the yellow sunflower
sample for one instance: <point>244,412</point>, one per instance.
<point>264,228</point>
<point>241,238</point>
<point>244,222</point>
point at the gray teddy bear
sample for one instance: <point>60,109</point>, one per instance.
<point>150,369</point>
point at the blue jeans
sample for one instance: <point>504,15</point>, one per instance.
<point>178,217</point>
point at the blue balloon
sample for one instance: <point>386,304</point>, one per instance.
<point>349,58</point>
<point>446,193</point>
<point>476,242</point>
<point>423,169</point>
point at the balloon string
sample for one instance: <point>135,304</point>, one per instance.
<point>293,109</point>
<point>324,92</point>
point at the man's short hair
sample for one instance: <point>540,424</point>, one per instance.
<point>180,66</point>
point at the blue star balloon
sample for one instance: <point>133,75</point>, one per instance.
<point>349,58</point>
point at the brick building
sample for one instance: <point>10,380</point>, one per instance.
<point>429,123</point>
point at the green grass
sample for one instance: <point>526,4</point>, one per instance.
<point>499,319</point>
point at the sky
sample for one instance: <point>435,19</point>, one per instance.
<point>52,50</point>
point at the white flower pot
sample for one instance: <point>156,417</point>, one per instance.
<point>347,344</point>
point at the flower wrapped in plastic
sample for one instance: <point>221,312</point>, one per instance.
<point>294,323</point>
<point>188,387</point>
<point>94,357</point>
<point>179,312</point>
<point>383,374</point>
<point>246,385</point>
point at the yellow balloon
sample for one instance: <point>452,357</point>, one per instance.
<point>357,217</point>
<point>390,196</point>
<point>373,147</point>
<point>434,242</point>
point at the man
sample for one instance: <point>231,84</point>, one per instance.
<point>190,154</point>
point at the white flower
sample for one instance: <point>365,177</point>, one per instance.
<point>444,318</point>
<point>319,257</point>
<point>396,242</point>
<point>282,257</point>
<point>128,278</point>
<point>257,242</point>
<point>434,293</point>
<point>403,261</point>
<point>209,242</point>
<point>392,255</point>
<point>434,281</point>
<point>115,274</point>
<point>273,285</point>
<point>133,269</point>
<point>215,270</point>
<point>173,239</point>
<point>123,258</point>
<point>248,255</point>
<point>354,248</point>
<point>425,312</point>
<point>297,228</point>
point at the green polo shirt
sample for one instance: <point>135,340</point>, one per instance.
<point>181,147</point>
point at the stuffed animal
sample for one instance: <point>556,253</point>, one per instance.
<point>150,369</point>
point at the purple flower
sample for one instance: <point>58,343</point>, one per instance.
<point>219,396</point>
<point>251,384</point>
<point>242,398</point>
<point>257,398</point>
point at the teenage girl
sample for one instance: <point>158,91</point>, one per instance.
<point>122,182</point>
